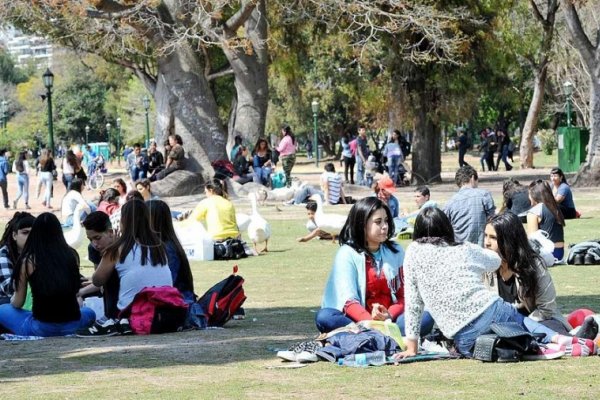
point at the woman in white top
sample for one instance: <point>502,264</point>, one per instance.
<point>69,165</point>
<point>21,168</point>
<point>72,199</point>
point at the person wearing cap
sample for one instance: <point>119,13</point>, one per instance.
<point>384,190</point>
<point>469,209</point>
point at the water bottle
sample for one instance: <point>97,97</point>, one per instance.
<point>375,358</point>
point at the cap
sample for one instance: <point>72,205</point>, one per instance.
<point>386,184</point>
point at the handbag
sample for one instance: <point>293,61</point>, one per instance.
<point>543,246</point>
<point>508,343</point>
<point>229,249</point>
<point>81,174</point>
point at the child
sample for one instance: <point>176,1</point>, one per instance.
<point>370,169</point>
<point>311,225</point>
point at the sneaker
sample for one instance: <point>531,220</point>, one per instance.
<point>107,328</point>
<point>589,329</point>
<point>578,259</point>
<point>306,357</point>
<point>544,353</point>
<point>27,207</point>
<point>239,314</point>
<point>311,346</point>
<point>287,355</point>
<point>589,259</point>
<point>123,327</point>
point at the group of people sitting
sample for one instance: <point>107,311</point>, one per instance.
<point>151,164</point>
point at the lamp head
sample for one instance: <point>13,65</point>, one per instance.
<point>48,79</point>
<point>146,102</point>
<point>118,122</point>
<point>568,88</point>
<point>108,126</point>
<point>87,129</point>
<point>315,106</point>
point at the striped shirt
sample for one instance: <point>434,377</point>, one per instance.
<point>332,185</point>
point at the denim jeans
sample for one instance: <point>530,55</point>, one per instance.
<point>328,319</point>
<point>47,178</point>
<point>67,179</point>
<point>23,181</point>
<point>360,171</point>
<point>307,191</point>
<point>262,175</point>
<point>392,164</point>
<point>69,221</point>
<point>499,311</point>
<point>137,173</point>
<point>21,322</point>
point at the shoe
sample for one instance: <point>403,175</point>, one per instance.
<point>311,346</point>
<point>589,259</point>
<point>578,259</point>
<point>15,204</point>
<point>123,327</point>
<point>287,355</point>
<point>107,328</point>
<point>589,328</point>
<point>27,207</point>
<point>578,350</point>
<point>306,357</point>
<point>544,353</point>
<point>239,314</point>
<point>44,203</point>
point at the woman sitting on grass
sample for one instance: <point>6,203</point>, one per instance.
<point>366,280</point>
<point>445,278</point>
<point>51,268</point>
<point>562,194</point>
<point>522,279</point>
<point>162,223</point>
<point>11,245</point>
<point>546,215</point>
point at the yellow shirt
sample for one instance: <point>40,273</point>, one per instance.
<point>219,217</point>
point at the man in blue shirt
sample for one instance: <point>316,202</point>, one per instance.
<point>3,179</point>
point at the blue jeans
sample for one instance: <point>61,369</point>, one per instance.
<point>69,221</point>
<point>67,179</point>
<point>23,181</point>
<point>393,163</point>
<point>328,319</point>
<point>137,173</point>
<point>262,175</point>
<point>499,311</point>
<point>307,191</point>
<point>21,322</point>
<point>360,171</point>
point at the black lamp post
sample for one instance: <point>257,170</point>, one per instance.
<point>146,102</point>
<point>108,136</point>
<point>87,134</point>
<point>568,87</point>
<point>48,79</point>
<point>119,141</point>
<point>315,109</point>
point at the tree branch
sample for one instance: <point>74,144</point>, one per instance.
<point>223,72</point>
<point>582,42</point>
<point>240,17</point>
<point>536,12</point>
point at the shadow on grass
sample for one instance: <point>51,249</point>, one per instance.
<point>256,338</point>
<point>573,302</point>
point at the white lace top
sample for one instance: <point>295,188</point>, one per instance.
<point>448,282</point>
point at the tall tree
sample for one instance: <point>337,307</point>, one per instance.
<point>538,61</point>
<point>589,49</point>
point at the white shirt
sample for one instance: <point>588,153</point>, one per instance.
<point>25,167</point>
<point>70,202</point>
<point>67,168</point>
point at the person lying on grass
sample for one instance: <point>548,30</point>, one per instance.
<point>365,282</point>
<point>444,277</point>
<point>311,225</point>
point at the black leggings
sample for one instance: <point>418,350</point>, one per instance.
<point>349,165</point>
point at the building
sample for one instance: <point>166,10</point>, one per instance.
<point>26,49</point>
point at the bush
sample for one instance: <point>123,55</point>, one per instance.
<point>548,139</point>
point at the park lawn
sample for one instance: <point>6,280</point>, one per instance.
<point>284,289</point>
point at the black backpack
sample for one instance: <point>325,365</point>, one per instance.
<point>221,301</point>
<point>229,249</point>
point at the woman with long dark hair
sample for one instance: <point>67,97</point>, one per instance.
<point>21,168</point>
<point>47,167</point>
<point>562,193</point>
<point>51,268</point>
<point>162,223</point>
<point>70,165</point>
<point>365,282</point>
<point>261,162</point>
<point>546,215</point>
<point>287,152</point>
<point>522,279</point>
<point>349,159</point>
<point>11,245</point>
<point>444,277</point>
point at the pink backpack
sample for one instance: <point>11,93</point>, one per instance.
<point>353,146</point>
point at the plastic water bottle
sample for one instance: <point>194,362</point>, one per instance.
<point>375,358</point>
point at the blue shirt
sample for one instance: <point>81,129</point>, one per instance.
<point>468,211</point>
<point>3,168</point>
<point>565,191</point>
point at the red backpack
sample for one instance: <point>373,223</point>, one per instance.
<point>221,301</point>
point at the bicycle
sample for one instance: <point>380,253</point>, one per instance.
<point>96,179</point>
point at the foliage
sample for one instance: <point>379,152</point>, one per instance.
<point>548,139</point>
<point>9,73</point>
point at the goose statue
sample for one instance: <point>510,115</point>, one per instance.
<point>330,223</point>
<point>242,220</point>
<point>75,235</point>
<point>259,230</point>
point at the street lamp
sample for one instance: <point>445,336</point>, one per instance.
<point>108,136</point>
<point>48,79</point>
<point>568,88</point>
<point>87,134</point>
<point>315,109</point>
<point>119,141</point>
<point>146,102</point>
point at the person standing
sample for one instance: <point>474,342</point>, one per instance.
<point>70,164</point>
<point>3,175</point>
<point>469,209</point>
<point>503,143</point>
<point>309,149</point>
<point>483,148</point>
<point>362,152</point>
<point>47,167</point>
<point>393,153</point>
<point>21,168</point>
<point>348,157</point>
<point>287,153</point>
<point>463,146</point>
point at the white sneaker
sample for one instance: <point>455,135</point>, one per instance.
<point>287,355</point>
<point>306,357</point>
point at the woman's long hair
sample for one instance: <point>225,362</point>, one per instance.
<point>45,156</point>
<point>56,265</point>
<point>509,187</point>
<point>72,159</point>
<point>257,146</point>
<point>217,187</point>
<point>433,226</point>
<point>287,131</point>
<point>135,229</point>
<point>354,234</point>
<point>20,220</point>
<point>20,161</point>
<point>541,192</point>
<point>515,249</point>
<point>559,172</point>
<point>162,223</point>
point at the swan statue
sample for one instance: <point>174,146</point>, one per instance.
<point>330,223</point>
<point>242,220</point>
<point>75,236</point>
<point>259,230</point>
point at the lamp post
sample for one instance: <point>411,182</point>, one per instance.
<point>108,136</point>
<point>48,79</point>
<point>568,87</point>
<point>87,134</point>
<point>119,141</point>
<point>146,102</point>
<point>315,109</point>
<point>4,115</point>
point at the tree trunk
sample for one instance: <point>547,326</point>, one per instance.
<point>184,90</point>
<point>526,148</point>
<point>250,68</point>
<point>589,172</point>
<point>426,153</point>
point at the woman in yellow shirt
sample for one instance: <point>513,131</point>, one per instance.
<point>217,212</point>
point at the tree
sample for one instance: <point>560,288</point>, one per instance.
<point>168,45</point>
<point>538,60</point>
<point>589,172</point>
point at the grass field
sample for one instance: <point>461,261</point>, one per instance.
<point>284,289</point>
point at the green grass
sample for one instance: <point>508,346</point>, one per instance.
<point>284,289</point>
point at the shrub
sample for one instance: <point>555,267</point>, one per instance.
<point>548,139</point>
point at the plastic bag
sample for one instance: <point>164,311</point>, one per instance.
<point>543,246</point>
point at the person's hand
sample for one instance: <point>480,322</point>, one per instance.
<point>379,313</point>
<point>404,354</point>
<point>302,239</point>
<point>79,300</point>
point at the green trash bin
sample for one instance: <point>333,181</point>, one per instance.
<point>572,143</point>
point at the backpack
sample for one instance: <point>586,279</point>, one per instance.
<point>221,301</point>
<point>229,249</point>
<point>353,146</point>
